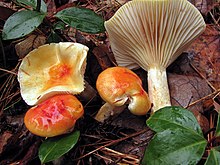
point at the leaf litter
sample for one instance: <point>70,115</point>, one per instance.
<point>193,81</point>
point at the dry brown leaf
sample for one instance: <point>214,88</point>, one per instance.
<point>33,41</point>
<point>216,105</point>
<point>103,56</point>
<point>204,6</point>
<point>4,139</point>
<point>205,52</point>
<point>51,7</point>
<point>202,120</point>
<point>186,89</point>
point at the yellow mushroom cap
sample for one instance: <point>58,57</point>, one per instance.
<point>52,69</point>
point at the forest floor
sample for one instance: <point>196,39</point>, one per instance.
<point>194,82</point>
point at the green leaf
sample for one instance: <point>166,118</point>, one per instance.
<point>59,26</point>
<point>213,158</point>
<point>33,4</point>
<point>178,139</point>
<point>217,148</point>
<point>217,131</point>
<point>53,148</point>
<point>53,38</point>
<point>172,118</point>
<point>82,19</point>
<point>21,23</point>
<point>174,147</point>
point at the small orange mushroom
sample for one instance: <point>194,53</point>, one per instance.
<point>118,86</point>
<point>54,116</point>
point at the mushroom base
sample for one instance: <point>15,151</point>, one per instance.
<point>158,88</point>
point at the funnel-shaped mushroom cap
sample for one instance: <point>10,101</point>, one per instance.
<point>52,69</point>
<point>145,33</point>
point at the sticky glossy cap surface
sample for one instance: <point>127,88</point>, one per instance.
<point>54,116</point>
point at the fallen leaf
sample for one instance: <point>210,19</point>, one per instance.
<point>204,6</point>
<point>136,145</point>
<point>202,120</point>
<point>205,52</point>
<point>5,13</point>
<point>216,105</point>
<point>51,7</point>
<point>102,54</point>
<point>4,139</point>
<point>187,89</point>
<point>28,44</point>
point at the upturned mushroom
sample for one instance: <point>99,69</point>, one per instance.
<point>119,86</point>
<point>52,69</point>
<point>151,34</point>
<point>54,116</point>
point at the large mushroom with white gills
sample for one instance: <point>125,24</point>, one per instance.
<point>151,34</point>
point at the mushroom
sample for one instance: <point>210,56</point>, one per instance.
<point>118,86</point>
<point>52,69</point>
<point>54,116</point>
<point>151,34</point>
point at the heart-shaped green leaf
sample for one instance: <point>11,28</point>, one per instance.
<point>53,148</point>
<point>33,4</point>
<point>21,23</point>
<point>82,19</point>
<point>213,158</point>
<point>174,147</point>
<point>172,118</point>
<point>178,139</point>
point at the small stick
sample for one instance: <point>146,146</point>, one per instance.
<point>116,153</point>
<point>111,143</point>
<point>203,98</point>
<point>8,71</point>
<point>202,76</point>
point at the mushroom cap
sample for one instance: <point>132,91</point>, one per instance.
<point>54,116</point>
<point>153,33</point>
<point>52,69</point>
<point>119,85</point>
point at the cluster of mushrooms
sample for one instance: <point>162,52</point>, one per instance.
<point>49,78</point>
<point>149,34</point>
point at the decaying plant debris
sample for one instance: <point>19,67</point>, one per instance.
<point>193,80</point>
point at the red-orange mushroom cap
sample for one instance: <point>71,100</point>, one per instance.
<point>54,116</point>
<point>118,86</point>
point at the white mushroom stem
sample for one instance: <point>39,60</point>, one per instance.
<point>108,110</point>
<point>158,88</point>
<point>151,34</point>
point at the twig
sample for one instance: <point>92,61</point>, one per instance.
<point>108,159</point>
<point>8,71</point>
<point>215,21</point>
<point>202,76</point>
<point>3,53</point>
<point>132,158</point>
<point>203,98</point>
<point>111,143</point>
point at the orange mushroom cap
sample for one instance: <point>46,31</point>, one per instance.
<point>54,116</point>
<point>119,85</point>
